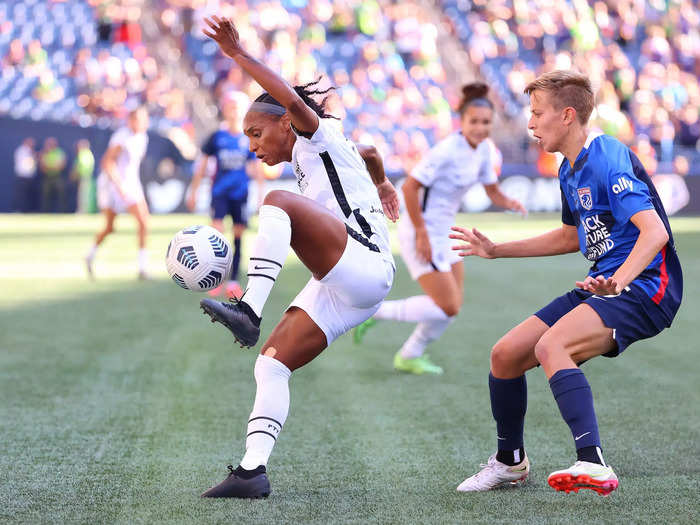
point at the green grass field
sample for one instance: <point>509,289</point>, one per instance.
<point>120,402</point>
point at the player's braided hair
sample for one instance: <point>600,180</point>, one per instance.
<point>474,93</point>
<point>306,92</point>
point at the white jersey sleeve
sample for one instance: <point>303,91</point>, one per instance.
<point>435,162</point>
<point>487,170</point>
<point>330,171</point>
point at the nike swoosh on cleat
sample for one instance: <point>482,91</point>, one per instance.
<point>521,469</point>
<point>579,437</point>
<point>264,267</point>
<point>501,439</point>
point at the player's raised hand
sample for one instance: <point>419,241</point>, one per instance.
<point>224,33</point>
<point>390,199</point>
<point>600,285</point>
<point>476,243</point>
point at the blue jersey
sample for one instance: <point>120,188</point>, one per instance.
<point>606,186</point>
<point>232,155</point>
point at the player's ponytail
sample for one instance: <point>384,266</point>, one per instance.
<point>306,92</point>
<point>474,94</point>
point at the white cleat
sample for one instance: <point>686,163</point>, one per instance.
<point>494,474</point>
<point>584,475</point>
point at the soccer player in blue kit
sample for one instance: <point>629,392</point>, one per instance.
<point>612,213</point>
<point>235,165</point>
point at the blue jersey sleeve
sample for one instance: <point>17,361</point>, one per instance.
<point>627,195</point>
<point>209,147</point>
<point>566,216</point>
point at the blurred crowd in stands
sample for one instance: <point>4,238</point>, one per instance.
<point>86,61</point>
<point>382,57</point>
<point>643,58</point>
<point>82,61</point>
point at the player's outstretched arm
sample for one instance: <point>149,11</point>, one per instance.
<point>652,238</point>
<point>387,193</point>
<point>555,242</point>
<point>224,33</point>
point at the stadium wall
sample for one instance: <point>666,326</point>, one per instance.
<point>166,174</point>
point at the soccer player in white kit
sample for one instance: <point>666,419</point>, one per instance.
<point>433,194</point>
<point>337,228</point>
<point>119,186</point>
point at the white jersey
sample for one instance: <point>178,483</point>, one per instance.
<point>330,171</point>
<point>132,150</point>
<point>447,172</point>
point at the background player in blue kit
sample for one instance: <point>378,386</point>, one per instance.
<point>235,165</point>
<point>612,213</point>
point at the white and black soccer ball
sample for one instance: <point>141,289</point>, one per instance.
<point>199,258</point>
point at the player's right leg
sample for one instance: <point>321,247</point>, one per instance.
<point>140,212</point>
<point>316,235</point>
<point>511,357</point>
<point>109,216</point>
<point>295,341</point>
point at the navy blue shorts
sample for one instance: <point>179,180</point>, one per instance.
<point>223,205</point>
<point>632,315</point>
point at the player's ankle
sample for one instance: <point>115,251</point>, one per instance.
<point>590,454</point>
<point>511,457</point>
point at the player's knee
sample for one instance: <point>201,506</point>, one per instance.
<point>544,349</point>
<point>502,357</point>
<point>279,198</point>
<point>109,228</point>
<point>451,309</point>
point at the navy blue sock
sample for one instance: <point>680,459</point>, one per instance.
<point>508,406</point>
<point>575,399</point>
<point>236,258</point>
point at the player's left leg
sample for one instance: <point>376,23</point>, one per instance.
<point>140,212</point>
<point>444,289</point>
<point>295,341</point>
<point>576,337</point>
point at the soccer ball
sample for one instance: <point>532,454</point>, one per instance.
<point>198,258</point>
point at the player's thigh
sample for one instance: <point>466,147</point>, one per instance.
<point>514,353</point>
<point>578,336</point>
<point>296,340</point>
<point>442,288</point>
<point>318,236</point>
<point>458,273</point>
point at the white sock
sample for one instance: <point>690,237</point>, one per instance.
<point>424,334</point>
<point>143,259</point>
<point>269,411</point>
<point>268,255</point>
<point>91,254</point>
<point>414,309</point>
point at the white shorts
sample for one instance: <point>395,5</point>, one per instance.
<point>443,254</point>
<point>109,198</point>
<point>350,293</point>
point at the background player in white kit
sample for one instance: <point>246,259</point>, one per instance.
<point>433,195</point>
<point>119,186</point>
<point>337,229</point>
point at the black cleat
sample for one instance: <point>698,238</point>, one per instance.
<point>242,483</point>
<point>237,316</point>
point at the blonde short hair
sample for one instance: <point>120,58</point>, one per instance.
<point>567,89</point>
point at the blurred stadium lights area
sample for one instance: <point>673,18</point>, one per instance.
<point>73,69</point>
